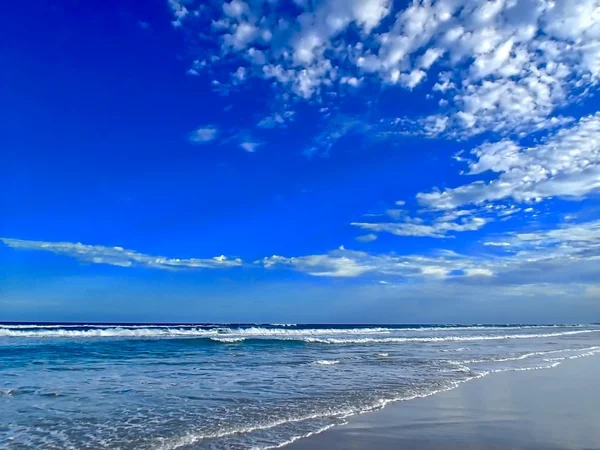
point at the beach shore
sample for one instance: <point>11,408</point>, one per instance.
<point>546,409</point>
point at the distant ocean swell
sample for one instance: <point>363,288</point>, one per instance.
<point>212,386</point>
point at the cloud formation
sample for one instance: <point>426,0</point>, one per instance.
<point>562,255</point>
<point>350,263</point>
<point>500,65</point>
<point>569,253</point>
<point>118,256</point>
<point>438,228</point>
<point>514,180</point>
<point>566,164</point>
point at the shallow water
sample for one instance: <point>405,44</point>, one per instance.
<point>240,386</point>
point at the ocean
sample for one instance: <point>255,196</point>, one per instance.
<point>242,386</point>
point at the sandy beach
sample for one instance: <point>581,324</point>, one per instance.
<point>547,409</point>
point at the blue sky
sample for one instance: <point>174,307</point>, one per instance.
<point>325,161</point>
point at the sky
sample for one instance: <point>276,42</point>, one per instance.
<point>300,161</point>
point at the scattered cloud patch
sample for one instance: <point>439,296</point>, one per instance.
<point>249,146</point>
<point>367,237</point>
<point>502,66</point>
<point>203,134</point>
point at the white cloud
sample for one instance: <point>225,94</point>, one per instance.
<point>276,120</point>
<point>235,9</point>
<point>586,233</point>
<point>118,256</point>
<point>203,134</point>
<point>567,254</point>
<point>179,11</point>
<point>438,229</point>
<point>497,244</point>
<point>242,35</point>
<point>429,57</point>
<point>433,222</point>
<point>413,78</point>
<point>566,164</point>
<point>349,263</point>
<point>367,237</point>
<point>250,146</point>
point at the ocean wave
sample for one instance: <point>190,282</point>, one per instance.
<point>587,350</point>
<point>258,331</point>
<point>460,349</point>
<point>193,438</point>
<point>107,332</point>
<point>326,362</point>
<point>304,436</point>
<point>309,335</point>
<point>102,326</point>
<point>277,327</point>
<point>228,340</point>
<point>398,340</point>
<point>187,332</point>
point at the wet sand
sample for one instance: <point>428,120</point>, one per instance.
<point>547,409</point>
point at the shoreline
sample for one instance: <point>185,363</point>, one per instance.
<point>544,409</point>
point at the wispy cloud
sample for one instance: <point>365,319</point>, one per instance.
<point>437,229</point>
<point>351,263</point>
<point>521,258</point>
<point>565,254</point>
<point>250,146</point>
<point>203,134</point>
<point>118,256</point>
<point>367,237</point>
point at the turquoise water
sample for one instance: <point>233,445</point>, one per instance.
<point>241,386</point>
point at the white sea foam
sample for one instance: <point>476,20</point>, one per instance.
<point>588,351</point>
<point>381,355</point>
<point>398,340</point>
<point>228,340</point>
<point>259,331</point>
<point>317,335</point>
<point>108,332</point>
<point>131,332</point>
<point>194,438</point>
<point>326,362</point>
<point>263,330</point>
<point>302,436</point>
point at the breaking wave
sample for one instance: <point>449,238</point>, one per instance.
<point>398,340</point>
<point>308,335</point>
<point>228,340</point>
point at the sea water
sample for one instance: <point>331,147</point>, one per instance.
<point>243,386</point>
